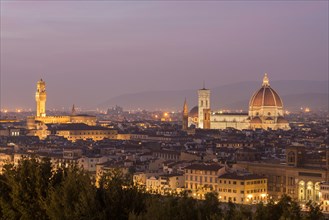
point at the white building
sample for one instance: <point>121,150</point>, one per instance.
<point>265,112</point>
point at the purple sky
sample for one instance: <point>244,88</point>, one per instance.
<point>88,52</point>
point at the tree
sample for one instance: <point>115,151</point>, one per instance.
<point>231,211</point>
<point>209,208</point>
<point>245,213</point>
<point>295,211</point>
<point>27,186</point>
<point>284,206</point>
<point>261,212</point>
<point>314,211</point>
<point>73,197</point>
<point>117,197</point>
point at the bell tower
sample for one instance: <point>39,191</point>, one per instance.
<point>185,116</point>
<point>204,107</point>
<point>40,98</point>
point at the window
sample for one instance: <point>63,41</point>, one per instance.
<point>242,183</point>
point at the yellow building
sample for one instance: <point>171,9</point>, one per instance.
<point>202,178</point>
<point>80,131</point>
<point>242,188</point>
<point>299,177</point>
<point>36,124</point>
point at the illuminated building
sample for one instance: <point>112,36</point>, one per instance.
<point>299,177</point>
<point>80,131</point>
<point>242,188</point>
<point>237,187</point>
<point>40,98</point>
<point>324,196</point>
<point>265,112</point>
<point>163,184</point>
<point>266,109</point>
<point>37,124</point>
<point>204,108</point>
<point>202,178</point>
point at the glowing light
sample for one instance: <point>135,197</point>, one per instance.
<point>5,110</point>
<point>249,196</point>
<point>166,114</point>
<point>263,195</point>
<point>307,109</point>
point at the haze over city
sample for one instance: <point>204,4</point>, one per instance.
<point>90,52</point>
<point>162,110</point>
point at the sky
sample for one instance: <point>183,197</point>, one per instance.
<point>91,51</point>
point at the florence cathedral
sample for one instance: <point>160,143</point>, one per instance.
<point>265,112</point>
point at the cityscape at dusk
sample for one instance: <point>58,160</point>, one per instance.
<point>164,110</point>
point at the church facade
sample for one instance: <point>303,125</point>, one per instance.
<point>265,112</point>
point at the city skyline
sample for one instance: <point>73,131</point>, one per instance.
<point>122,48</point>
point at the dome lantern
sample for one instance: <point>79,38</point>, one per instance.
<point>266,81</point>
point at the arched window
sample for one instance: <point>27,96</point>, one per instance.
<point>201,103</point>
<point>301,191</point>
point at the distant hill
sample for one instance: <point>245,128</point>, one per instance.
<point>294,94</point>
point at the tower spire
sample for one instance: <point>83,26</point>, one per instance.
<point>185,116</point>
<point>73,112</point>
<point>204,84</point>
<point>266,81</point>
<point>185,108</point>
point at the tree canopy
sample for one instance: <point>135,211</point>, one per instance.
<point>35,190</point>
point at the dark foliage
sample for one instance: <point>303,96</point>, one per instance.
<point>34,190</point>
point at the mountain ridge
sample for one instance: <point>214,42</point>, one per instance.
<point>231,96</point>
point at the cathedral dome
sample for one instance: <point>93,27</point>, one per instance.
<point>265,96</point>
<point>194,112</point>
